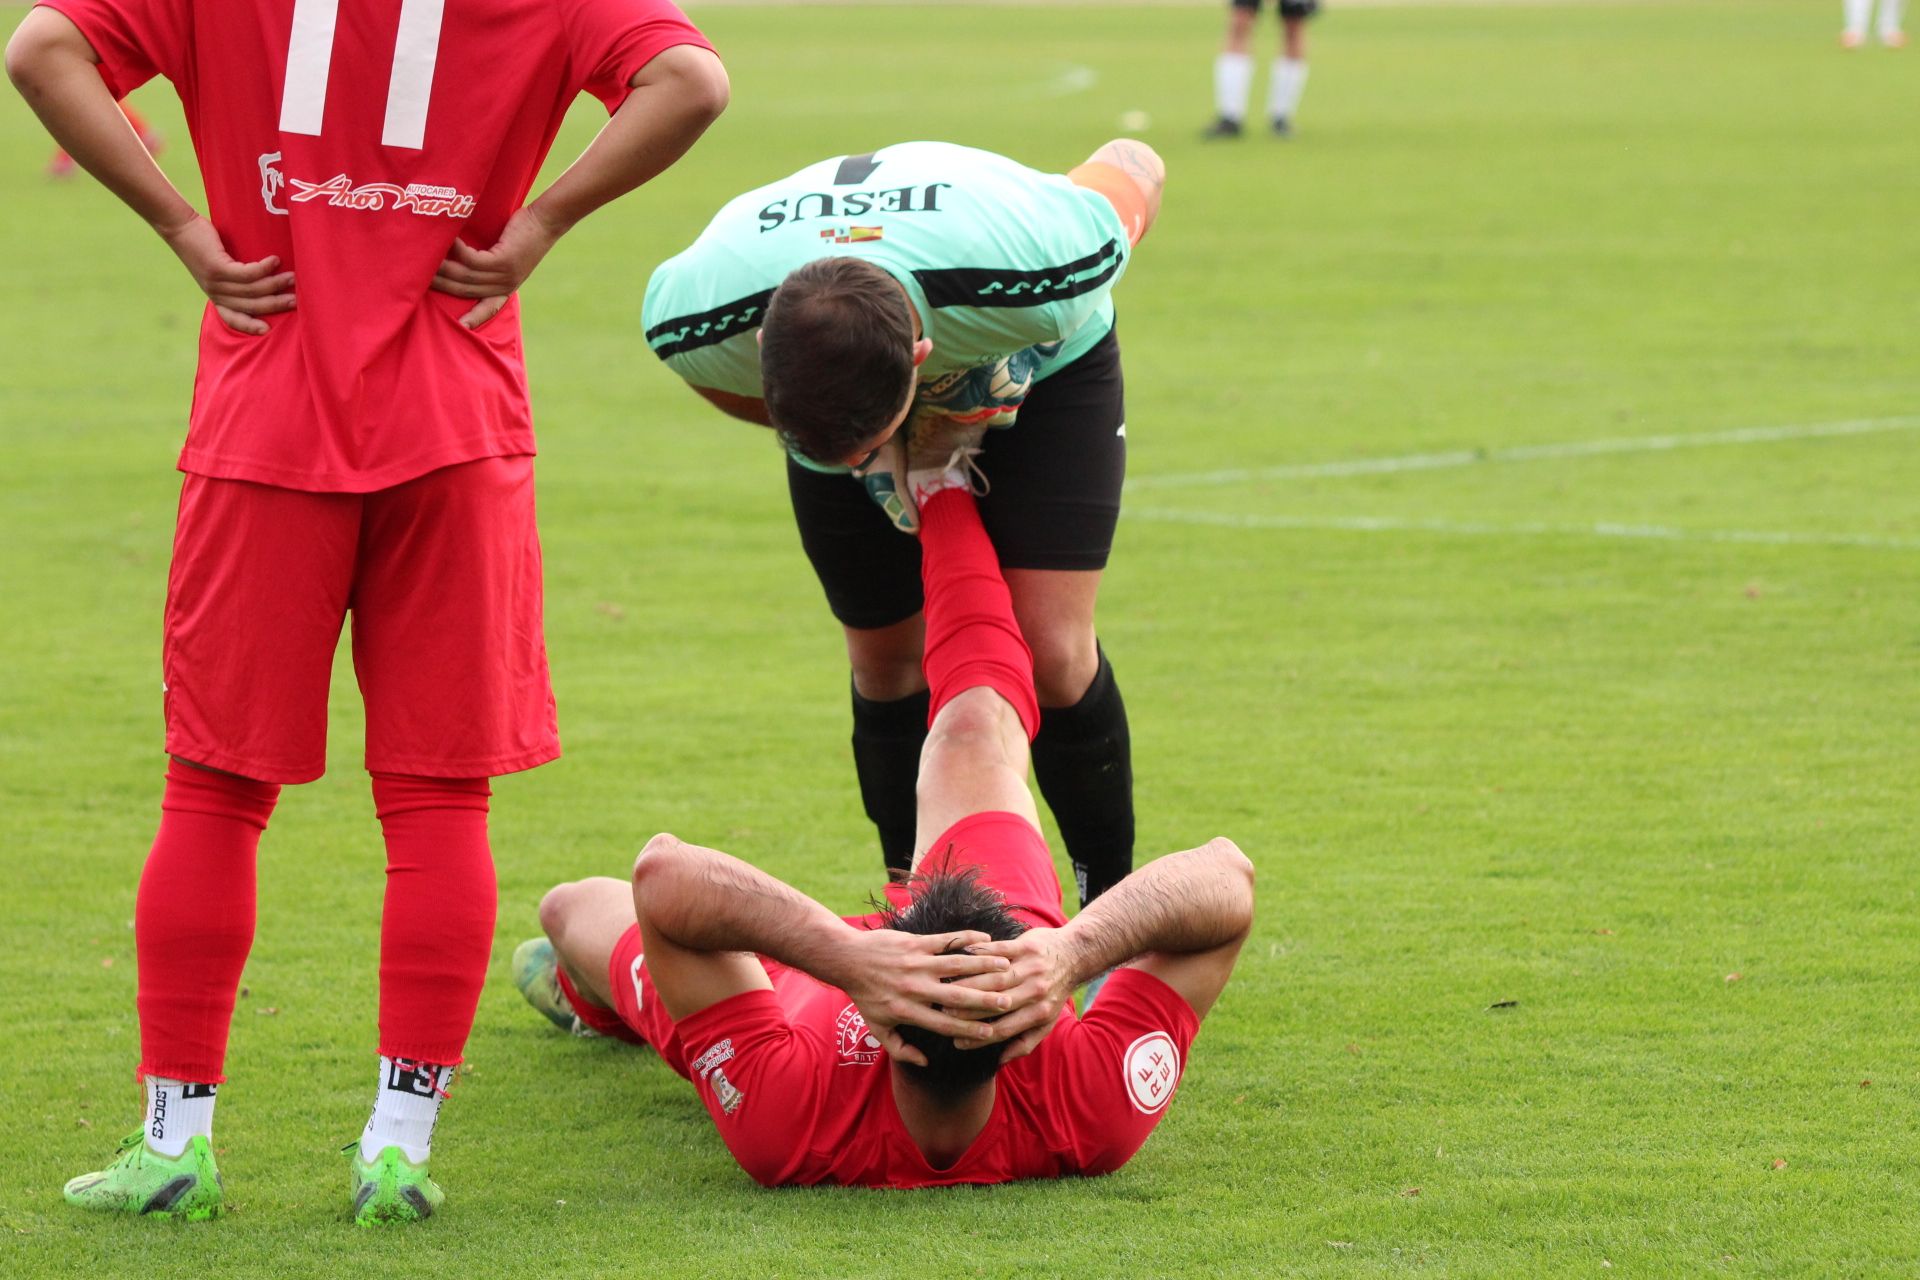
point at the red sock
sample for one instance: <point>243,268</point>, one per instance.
<point>972,637</point>
<point>436,934</point>
<point>596,1017</point>
<point>193,919</point>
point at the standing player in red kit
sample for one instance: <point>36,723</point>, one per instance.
<point>824,1047</point>
<point>360,440</point>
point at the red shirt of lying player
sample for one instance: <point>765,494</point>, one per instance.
<point>934,1042</point>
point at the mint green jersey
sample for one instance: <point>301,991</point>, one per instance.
<point>1011,270</point>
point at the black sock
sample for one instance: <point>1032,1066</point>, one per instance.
<point>1083,761</point>
<point>887,737</point>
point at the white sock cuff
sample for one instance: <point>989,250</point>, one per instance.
<point>406,1106</point>
<point>1284,90</point>
<point>178,1111</point>
<point>1232,81</point>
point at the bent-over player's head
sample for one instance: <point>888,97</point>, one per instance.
<point>837,358</point>
<point>951,901</point>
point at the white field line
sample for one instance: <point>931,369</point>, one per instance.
<point>1526,453</point>
<point>1063,82</point>
<point>1523,529</point>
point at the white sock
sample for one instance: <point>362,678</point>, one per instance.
<point>1890,17</point>
<point>1857,13</point>
<point>406,1103</point>
<point>1289,82</point>
<point>178,1111</point>
<point>1232,80</point>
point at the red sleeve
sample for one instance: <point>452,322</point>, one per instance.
<point>1117,1071</point>
<point>762,1083</point>
<point>608,41</point>
<point>136,39</point>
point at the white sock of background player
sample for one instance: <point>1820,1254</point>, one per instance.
<point>1289,82</point>
<point>1890,17</point>
<point>1232,81</point>
<point>1857,13</point>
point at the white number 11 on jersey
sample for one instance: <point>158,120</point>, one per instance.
<point>303,102</point>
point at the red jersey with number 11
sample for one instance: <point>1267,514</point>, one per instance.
<point>355,139</point>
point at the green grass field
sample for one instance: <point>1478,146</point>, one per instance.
<point>1580,778</point>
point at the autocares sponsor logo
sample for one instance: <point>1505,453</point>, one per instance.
<point>713,1057</point>
<point>1152,1068</point>
<point>341,192</point>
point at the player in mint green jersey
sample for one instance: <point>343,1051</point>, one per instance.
<point>944,290</point>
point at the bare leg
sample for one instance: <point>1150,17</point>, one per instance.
<point>886,660</point>
<point>1233,74</point>
<point>975,761</point>
<point>1239,29</point>
<point>1055,610</point>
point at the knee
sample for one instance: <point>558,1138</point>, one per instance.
<point>1065,660</point>
<point>975,717</point>
<point>887,676</point>
<point>886,660</point>
<point>656,858</point>
<point>557,906</point>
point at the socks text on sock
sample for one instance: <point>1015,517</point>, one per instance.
<point>178,1111</point>
<point>406,1106</point>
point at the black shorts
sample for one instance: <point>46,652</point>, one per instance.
<point>1055,479</point>
<point>1288,8</point>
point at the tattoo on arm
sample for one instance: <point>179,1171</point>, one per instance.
<point>1134,160</point>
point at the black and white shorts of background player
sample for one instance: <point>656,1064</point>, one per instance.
<point>1297,9</point>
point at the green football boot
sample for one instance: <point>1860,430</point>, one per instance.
<point>143,1181</point>
<point>391,1188</point>
<point>536,972</point>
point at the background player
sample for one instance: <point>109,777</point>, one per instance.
<point>1858,12</point>
<point>960,288</point>
<point>370,450</point>
<point>832,1059</point>
<point>1233,69</point>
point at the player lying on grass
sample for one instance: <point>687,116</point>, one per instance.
<point>934,1042</point>
<point>949,289</point>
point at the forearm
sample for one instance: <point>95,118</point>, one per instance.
<point>705,900</point>
<point>674,98</point>
<point>1185,902</point>
<point>52,65</point>
<point>746,408</point>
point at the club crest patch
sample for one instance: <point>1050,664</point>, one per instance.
<point>1152,1068</point>
<point>859,1047</point>
<point>725,1092</point>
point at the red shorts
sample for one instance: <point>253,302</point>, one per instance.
<point>442,576</point>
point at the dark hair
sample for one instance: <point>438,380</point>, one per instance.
<point>836,356</point>
<point>948,900</point>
